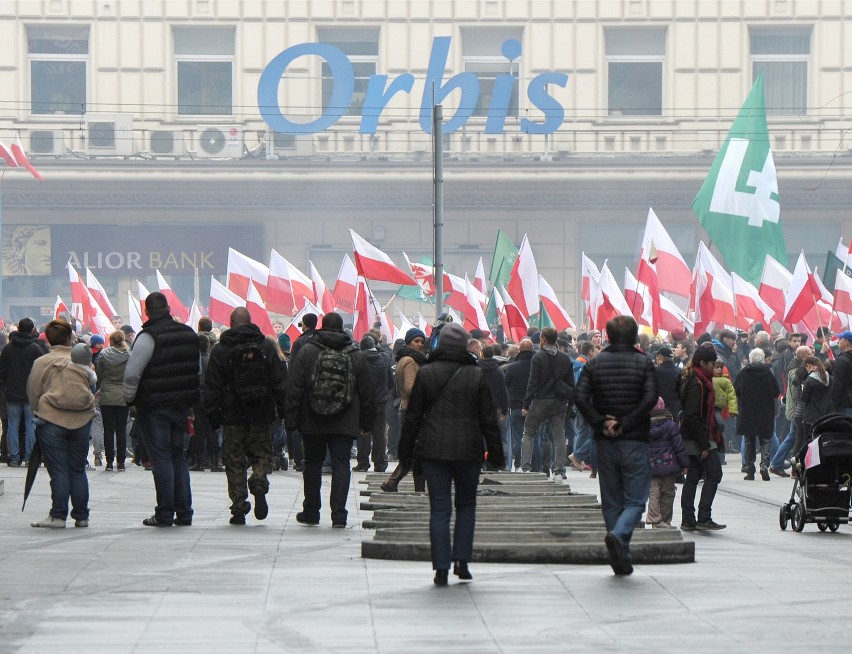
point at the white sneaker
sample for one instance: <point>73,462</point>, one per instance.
<point>49,523</point>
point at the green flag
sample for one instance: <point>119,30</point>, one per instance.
<point>833,265</point>
<point>738,204</point>
<point>505,254</point>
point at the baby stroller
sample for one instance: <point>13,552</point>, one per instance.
<point>823,487</point>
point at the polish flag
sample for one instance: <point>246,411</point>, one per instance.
<point>843,253</point>
<point>457,289</point>
<point>387,328</point>
<point>91,315</point>
<point>366,310</point>
<point>7,155</point>
<point>223,301</point>
<point>751,307</point>
<point>612,302</point>
<point>98,292</point>
<point>672,317</point>
<point>673,273</point>
<point>714,297</point>
<point>194,316</point>
<point>425,327</point>
<point>803,293</point>
<point>134,311</point>
<point>322,295</point>
<point>177,308</point>
<point>843,293</point>
<point>259,314</point>
<point>589,271</point>
<point>288,287</point>
<point>479,277</point>
<point>346,285</point>
<point>523,281</point>
<point>774,282</point>
<point>79,297</point>
<point>21,158</point>
<point>638,298</point>
<point>500,307</point>
<point>241,269</point>
<point>60,309</point>
<point>474,317</point>
<point>558,316</point>
<point>143,293</point>
<point>372,263</point>
<point>647,275</point>
<point>424,275</point>
<point>404,324</point>
<point>515,319</point>
<point>294,330</point>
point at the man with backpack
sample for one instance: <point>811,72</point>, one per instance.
<point>244,390</point>
<point>331,400</point>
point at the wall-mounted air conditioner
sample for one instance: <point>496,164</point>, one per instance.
<point>47,142</point>
<point>109,135</point>
<point>219,142</point>
<point>166,143</point>
<point>293,145</point>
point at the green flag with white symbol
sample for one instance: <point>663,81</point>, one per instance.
<point>738,205</point>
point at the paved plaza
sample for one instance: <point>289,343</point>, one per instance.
<point>276,586</point>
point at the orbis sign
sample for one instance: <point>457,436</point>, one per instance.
<point>379,92</point>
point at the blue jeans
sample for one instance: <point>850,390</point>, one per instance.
<point>64,452</point>
<point>583,440</point>
<point>164,436</point>
<point>15,411</point>
<point>784,448</point>
<point>624,473</point>
<point>440,476</point>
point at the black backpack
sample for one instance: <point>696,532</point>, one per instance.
<point>332,385</point>
<point>250,378</point>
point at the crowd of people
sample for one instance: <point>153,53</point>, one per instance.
<point>641,414</point>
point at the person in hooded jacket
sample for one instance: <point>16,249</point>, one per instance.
<point>374,442</point>
<point>16,362</point>
<point>516,378</point>
<point>757,397</point>
<point>110,367</point>
<point>246,422</point>
<point>668,460</point>
<point>491,367</point>
<point>449,425</point>
<point>816,396</point>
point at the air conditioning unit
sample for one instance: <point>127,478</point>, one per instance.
<point>166,143</point>
<point>219,142</point>
<point>293,145</point>
<point>47,142</point>
<point>109,135</point>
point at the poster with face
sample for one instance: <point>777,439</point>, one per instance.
<point>26,250</point>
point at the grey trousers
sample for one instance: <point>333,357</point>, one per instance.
<point>553,412</point>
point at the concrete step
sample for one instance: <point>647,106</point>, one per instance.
<point>522,536</point>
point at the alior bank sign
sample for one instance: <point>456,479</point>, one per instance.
<point>381,89</point>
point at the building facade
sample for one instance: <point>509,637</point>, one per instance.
<point>170,130</point>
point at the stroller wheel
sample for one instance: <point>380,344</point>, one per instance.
<point>784,516</point>
<point>834,525</point>
<point>797,517</point>
<point>822,526</point>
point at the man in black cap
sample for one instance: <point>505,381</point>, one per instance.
<point>667,375</point>
<point>129,334</point>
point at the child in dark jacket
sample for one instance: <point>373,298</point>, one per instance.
<point>668,460</point>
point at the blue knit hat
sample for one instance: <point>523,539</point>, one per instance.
<point>413,333</point>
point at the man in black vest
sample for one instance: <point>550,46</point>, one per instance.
<point>161,381</point>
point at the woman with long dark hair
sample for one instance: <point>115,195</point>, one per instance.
<point>114,410</point>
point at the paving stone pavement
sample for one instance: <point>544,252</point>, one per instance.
<point>276,586</point>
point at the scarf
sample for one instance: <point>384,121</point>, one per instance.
<point>709,395</point>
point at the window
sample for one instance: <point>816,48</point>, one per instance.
<point>58,59</point>
<point>361,46</point>
<point>782,56</point>
<point>634,60</point>
<point>482,56</point>
<point>205,71</point>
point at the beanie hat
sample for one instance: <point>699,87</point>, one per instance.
<point>704,353</point>
<point>81,354</point>
<point>284,342</point>
<point>96,339</point>
<point>413,333</point>
<point>453,337</point>
<point>367,343</point>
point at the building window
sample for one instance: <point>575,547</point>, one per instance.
<point>482,56</point>
<point>634,60</point>
<point>361,46</point>
<point>58,58</point>
<point>782,56</point>
<point>205,71</point>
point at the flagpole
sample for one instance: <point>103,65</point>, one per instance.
<point>438,182</point>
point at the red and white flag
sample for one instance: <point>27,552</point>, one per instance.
<point>557,314</point>
<point>60,309</point>
<point>143,293</point>
<point>241,269</point>
<point>346,286</point>
<point>287,287</point>
<point>194,316</point>
<point>774,282</point>
<point>387,328</point>
<point>404,323</point>
<point>7,155</point>
<point>515,319</point>
<point>500,308</point>
<point>751,307</point>
<point>647,275</point>
<point>672,317</point>
<point>424,325</point>
<point>803,293</point>
<point>322,295</point>
<point>259,314</point>
<point>843,293</point>
<point>100,295</point>
<point>294,329</point>
<point>95,317</point>
<point>372,263</point>
<point>479,277</point>
<point>177,308</point>
<point>714,297</point>
<point>523,281</point>
<point>457,289</point>
<point>223,301</point>
<point>673,273</point>
<point>589,272</point>
<point>367,310</point>
<point>14,156</point>
<point>134,313</point>
<point>638,298</point>
<point>474,316</point>
<point>423,275</point>
<point>612,302</point>
<point>82,303</point>
<point>843,253</point>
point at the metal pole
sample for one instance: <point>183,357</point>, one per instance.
<point>438,209</point>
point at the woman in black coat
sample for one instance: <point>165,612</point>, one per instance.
<point>449,425</point>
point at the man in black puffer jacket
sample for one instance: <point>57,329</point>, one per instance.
<point>16,362</point>
<point>615,393</point>
<point>517,377</point>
